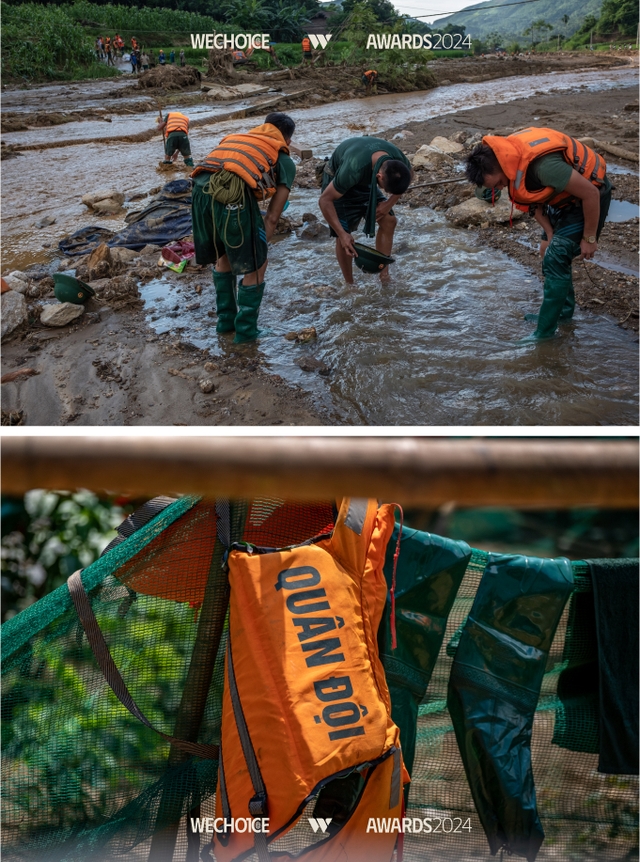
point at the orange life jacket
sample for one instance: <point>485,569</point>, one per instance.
<point>371,74</point>
<point>305,696</point>
<point>252,156</point>
<point>516,152</point>
<point>176,122</point>
<point>306,44</point>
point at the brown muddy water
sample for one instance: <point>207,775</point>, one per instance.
<point>433,346</point>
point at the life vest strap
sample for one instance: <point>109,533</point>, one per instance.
<point>113,676</point>
<point>258,806</point>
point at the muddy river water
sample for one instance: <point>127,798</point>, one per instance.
<point>436,345</point>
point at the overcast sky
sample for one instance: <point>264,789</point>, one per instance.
<point>429,7</point>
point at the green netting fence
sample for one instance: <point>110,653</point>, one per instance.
<point>83,779</point>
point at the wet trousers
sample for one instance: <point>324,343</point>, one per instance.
<point>568,228</point>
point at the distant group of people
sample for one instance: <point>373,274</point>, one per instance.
<point>109,48</point>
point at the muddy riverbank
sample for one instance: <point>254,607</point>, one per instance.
<point>373,361</point>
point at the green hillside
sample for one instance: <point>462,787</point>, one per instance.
<point>513,20</point>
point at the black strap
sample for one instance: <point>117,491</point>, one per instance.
<point>112,674</point>
<point>258,803</point>
<point>138,519</point>
<point>396,779</point>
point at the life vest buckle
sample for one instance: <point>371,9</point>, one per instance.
<point>258,805</point>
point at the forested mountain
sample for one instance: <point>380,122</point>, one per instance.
<point>565,16</point>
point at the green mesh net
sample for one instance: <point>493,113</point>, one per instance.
<point>83,779</point>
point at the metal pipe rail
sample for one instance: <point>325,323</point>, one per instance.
<point>541,473</point>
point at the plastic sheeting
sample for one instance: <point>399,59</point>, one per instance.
<point>166,219</point>
<point>494,688</point>
<point>430,571</point>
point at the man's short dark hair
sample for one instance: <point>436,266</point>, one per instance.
<point>282,122</point>
<point>397,176</point>
<point>481,162</point>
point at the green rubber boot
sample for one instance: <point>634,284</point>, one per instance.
<point>558,286</point>
<point>189,162</point>
<point>224,283</point>
<point>246,323</point>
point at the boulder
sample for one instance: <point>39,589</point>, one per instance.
<point>123,255</point>
<point>100,262</point>
<point>477,212</point>
<point>428,157</point>
<point>315,230</point>
<point>14,312</point>
<point>446,146</point>
<point>61,313</point>
<point>17,281</point>
<point>104,200</point>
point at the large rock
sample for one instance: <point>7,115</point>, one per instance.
<point>17,281</point>
<point>428,157</point>
<point>104,200</point>
<point>100,262</point>
<point>315,230</point>
<point>14,312</point>
<point>61,313</point>
<point>123,255</point>
<point>475,212</point>
<point>446,146</point>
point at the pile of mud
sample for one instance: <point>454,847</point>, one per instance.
<point>169,77</point>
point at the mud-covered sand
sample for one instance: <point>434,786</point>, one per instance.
<point>112,369</point>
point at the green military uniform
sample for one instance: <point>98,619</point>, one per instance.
<point>568,229</point>
<point>354,178</point>
<point>237,231</point>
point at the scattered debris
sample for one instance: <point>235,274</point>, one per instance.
<point>19,374</point>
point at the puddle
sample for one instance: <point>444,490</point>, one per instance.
<point>434,346</point>
<point>619,169</point>
<point>621,211</point>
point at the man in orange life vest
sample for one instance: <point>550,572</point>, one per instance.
<point>564,186</point>
<point>175,127</point>
<point>228,228</point>
<point>306,49</point>
<point>370,80</point>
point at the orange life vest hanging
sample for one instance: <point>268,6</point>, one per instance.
<point>176,122</point>
<point>516,152</point>
<point>305,696</point>
<point>251,156</point>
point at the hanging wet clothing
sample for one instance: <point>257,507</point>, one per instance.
<point>305,699</point>
<point>429,572</point>
<point>615,592</point>
<point>494,687</point>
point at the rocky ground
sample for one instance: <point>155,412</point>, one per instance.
<point>101,364</point>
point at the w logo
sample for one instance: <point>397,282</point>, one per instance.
<point>319,42</point>
<point>317,824</point>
